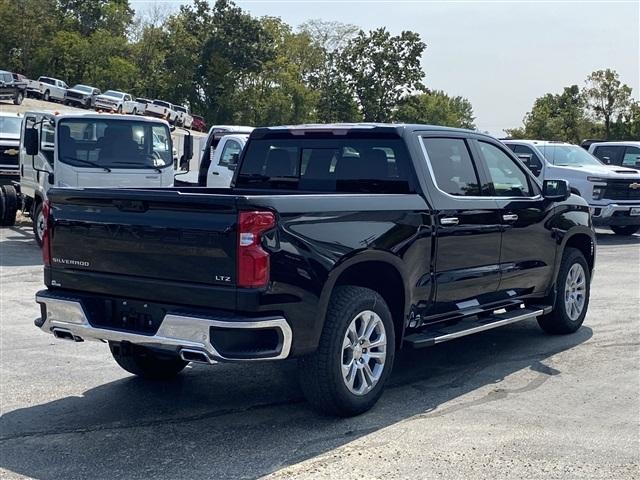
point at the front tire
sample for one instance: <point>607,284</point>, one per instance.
<point>347,373</point>
<point>18,98</point>
<point>572,298</point>
<point>146,363</point>
<point>45,97</point>
<point>625,229</point>
<point>119,109</point>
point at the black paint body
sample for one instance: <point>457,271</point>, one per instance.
<point>177,246</point>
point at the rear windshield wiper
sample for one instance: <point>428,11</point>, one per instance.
<point>87,162</point>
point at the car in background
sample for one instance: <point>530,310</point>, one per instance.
<point>624,154</point>
<point>114,101</point>
<point>48,89</point>
<point>140,106</point>
<point>11,87</point>
<point>613,193</point>
<point>184,118</point>
<point>81,96</point>
<point>162,109</point>
<point>198,123</point>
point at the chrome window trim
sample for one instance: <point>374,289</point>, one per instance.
<point>466,197</point>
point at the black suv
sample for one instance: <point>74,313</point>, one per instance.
<point>11,87</point>
<point>336,244</point>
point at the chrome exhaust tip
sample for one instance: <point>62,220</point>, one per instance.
<point>64,334</point>
<point>196,356</point>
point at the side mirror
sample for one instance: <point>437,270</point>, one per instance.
<point>31,141</point>
<point>188,148</point>
<point>606,160</point>
<point>51,179</point>
<point>184,164</point>
<point>557,190</point>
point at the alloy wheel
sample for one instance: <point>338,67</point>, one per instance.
<point>575,289</point>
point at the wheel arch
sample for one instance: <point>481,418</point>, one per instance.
<point>378,271</point>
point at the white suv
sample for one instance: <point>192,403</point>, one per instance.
<point>613,192</point>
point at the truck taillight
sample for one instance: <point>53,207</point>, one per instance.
<point>46,247</point>
<point>252,260</point>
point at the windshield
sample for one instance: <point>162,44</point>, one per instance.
<point>568,156</point>
<point>108,143</point>
<point>161,103</point>
<point>111,93</point>
<point>181,109</point>
<point>10,126</point>
<point>82,88</point>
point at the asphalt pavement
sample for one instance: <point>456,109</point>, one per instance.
<point>508,403</point>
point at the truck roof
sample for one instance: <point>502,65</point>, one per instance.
<point>620,143</point>
<point>537,142</point>
<point>397,128</point>
<point>97,116</point>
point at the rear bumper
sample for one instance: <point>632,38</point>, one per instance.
<point>191,336</point>
<point>614,214</point>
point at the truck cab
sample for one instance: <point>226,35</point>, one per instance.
<point>220,154</point>
<point>622,154</point>
<point>612,192</point>
<point>90,150</point>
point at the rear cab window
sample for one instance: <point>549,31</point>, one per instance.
<point>453,171</point>
<point>328,164</point>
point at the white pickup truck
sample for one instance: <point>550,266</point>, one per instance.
<point>612,192</point>
<point>184,118</point>
<point>162,109</point>
<point>114,101</point>
<point>47,89</point>
<point>623,153</point>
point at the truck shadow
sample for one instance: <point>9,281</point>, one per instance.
<point>244,421</point>
<point>18,248</point>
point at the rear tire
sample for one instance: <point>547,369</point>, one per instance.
<point>10,201</point>
<point>18,98</point>
<point>119,109</point>
<point>37,220</point>
<point>572,298</point>
<point>146,363</point>
<point>625,229</point>
<point>347,373</point>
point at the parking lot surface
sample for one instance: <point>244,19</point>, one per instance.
<point>508,403</point>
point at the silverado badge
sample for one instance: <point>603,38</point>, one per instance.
<point>634,185</point>
<point>11,151</point>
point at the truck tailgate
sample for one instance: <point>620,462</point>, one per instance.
<point>155,234</point>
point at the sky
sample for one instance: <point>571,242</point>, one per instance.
<point>501,55</point>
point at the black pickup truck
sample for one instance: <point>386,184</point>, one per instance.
<point>336,244</point>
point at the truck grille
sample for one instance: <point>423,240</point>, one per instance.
<point>75,95</point>
<point>623,190</point>
<point>9,156</point>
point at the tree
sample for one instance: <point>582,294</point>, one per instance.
<point>607,97</point>
<point>557,117</point>
<point>436,108</point>
<point>381,69</point>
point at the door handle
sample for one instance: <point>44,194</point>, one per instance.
<point>447,221</point>
<point>510,217</point>
<point>215,173</point>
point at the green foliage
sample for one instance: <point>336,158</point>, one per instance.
<point>575,114</point>
<point>607,96</point>
<point>381,69</point>
<point>436,108</point>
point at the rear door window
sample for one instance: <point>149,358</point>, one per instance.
<point>453,170</point>
<point>609,154</point>
<point>349,165</point>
